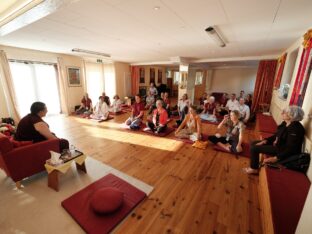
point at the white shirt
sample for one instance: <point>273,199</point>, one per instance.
<point>101,109</point>
<point>232,105</point>
<point>153,90</point>
<point>116,106</point>
<point>244,112</point>
<point>150,100</point>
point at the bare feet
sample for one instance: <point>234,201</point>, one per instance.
<point>250,171</point>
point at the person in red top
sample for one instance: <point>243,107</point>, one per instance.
<point>33,128</point>
<point>86,105</point>
<point>137,114</point>
<point>159,120</point>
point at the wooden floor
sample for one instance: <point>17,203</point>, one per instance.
<point>196,191</point>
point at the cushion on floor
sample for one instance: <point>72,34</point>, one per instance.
<point>244,153</point>
<point>161,134</point>
<point>78,205</point>
<point>106,200</point>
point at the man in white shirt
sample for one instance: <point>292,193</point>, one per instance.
<point>232,103</point>
<point>243,110</point>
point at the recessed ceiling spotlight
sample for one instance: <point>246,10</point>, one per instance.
<point>156,8</point>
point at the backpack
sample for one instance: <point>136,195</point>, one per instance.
<point>298,162</point>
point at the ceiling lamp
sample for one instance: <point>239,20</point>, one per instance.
<point>215,36</point>
<point>91,52</point>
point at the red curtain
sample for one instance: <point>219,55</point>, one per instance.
<point>135,76</point>
<point>264,83</point>
<point>303,75</point>
<point>279,75</point>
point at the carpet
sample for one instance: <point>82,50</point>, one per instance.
<point>90,221</point>
<point>266,123</point>
<point>244,153</point>
<point>162,134</point>
<point>188,141</point>
<point>37,209</point>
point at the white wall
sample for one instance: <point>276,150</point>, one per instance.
<point>233,80</point>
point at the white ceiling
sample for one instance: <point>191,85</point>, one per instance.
<point>132,31</point>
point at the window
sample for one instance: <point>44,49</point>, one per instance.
<point>199,78</point>
<point>95,81</point>
<point>152,75</point>
<point>35,82</point>
<point>176,77</point>
<point>159,77</point>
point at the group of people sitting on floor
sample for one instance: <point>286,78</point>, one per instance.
<point>102,108</point>
<point>287,140</point>
<point>212,110</point>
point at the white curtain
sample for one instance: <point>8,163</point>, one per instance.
<point>34,82</point>
<point>63,86</point>
<point>94,80</point>
<point>7,85</point>
<point>110,80</point>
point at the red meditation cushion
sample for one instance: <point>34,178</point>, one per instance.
<point>106,200</point>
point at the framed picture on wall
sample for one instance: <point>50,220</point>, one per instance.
<point>142,75</point>
<point>152,75</point>
<point>159,77</point>
<point>73,76</point>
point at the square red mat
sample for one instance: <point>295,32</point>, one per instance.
<point>78,205</point>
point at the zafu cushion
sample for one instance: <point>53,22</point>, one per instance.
<point>106,200</point>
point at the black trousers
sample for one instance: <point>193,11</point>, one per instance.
<point>182,114</point>
<point>215,140</point>
<point>158,129</point>
<point>255,150</point>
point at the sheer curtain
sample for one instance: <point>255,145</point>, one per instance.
<point>94,80</point>
<point>7,85</point>
<point>110,80</point>
<point>62,81</point>
<point>35,82</point>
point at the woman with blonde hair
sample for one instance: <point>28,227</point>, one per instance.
<point>190,128</point>
<point>232,141</point>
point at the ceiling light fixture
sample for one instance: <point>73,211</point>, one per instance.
<point>90,52</point>
<point>156,8</point>
<point>215,36</point>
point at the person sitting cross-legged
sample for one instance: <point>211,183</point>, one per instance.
<point>137,114</point>
<point>190,128</point>
<point>209,112</point>
<point>243,110</point>
<point>85,106</point>
<point>101,110</point>
<point>159,119</point>
<point>116,105</point>
<point>233,140</point>
<point>287,140</point>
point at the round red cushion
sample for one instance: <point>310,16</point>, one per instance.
<point>106,200</point>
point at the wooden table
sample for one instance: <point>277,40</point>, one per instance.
<point>55,171</point>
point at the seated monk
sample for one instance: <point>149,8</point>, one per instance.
<point>33,128</point>
<point>159,120</point>
<point>190,128</point>
<point>85,106</point>
<point>101,111</point>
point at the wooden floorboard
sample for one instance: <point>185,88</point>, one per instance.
<point>195,191</point>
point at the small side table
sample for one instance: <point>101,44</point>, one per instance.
<point>55,171</point>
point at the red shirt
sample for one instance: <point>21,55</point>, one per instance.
<point>86,102</point>
<point>209,107</point>
<point>26,130</point>
<point>163,117</point>
<point>137,108</point>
